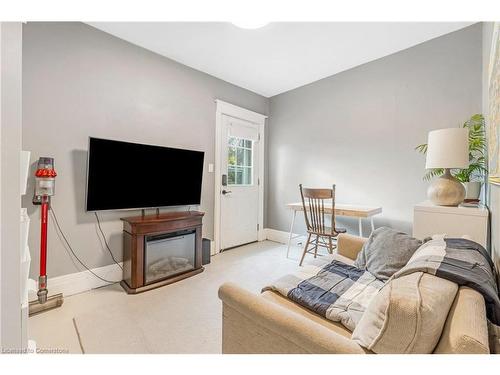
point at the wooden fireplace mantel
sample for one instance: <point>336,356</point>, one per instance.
<point>136,228</point>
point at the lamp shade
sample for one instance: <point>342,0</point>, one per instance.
<point>448,148</point>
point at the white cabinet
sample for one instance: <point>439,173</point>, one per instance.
<point>429,219</point>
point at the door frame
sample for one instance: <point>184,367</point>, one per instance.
<point>224,108</point>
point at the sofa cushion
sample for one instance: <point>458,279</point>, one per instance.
<point>252,324</point>
<point>349,246</point>
<point>292,306</point>
<point>279,299</point>
<point>386,252</point>
<point>407,315</point>
<point>340,258</point>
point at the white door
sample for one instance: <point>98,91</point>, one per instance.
<point>239,176</point>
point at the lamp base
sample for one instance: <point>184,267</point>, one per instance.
<point>446,190</point>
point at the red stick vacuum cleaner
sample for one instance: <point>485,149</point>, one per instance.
<point>45,177</point>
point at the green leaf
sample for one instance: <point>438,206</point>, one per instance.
<point>431,173</point>
<point>477,149</point>
<point>422,148</point>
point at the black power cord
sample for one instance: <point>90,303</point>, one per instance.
<point>105,241</point>
<point>73,252</point>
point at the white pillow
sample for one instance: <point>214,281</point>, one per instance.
<point>407,315</point>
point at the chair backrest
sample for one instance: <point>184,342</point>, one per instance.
<point>313,201</point>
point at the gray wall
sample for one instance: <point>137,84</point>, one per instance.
<point>493,190</point>
<point>80,82</point>
<point>358,129</point>
<point>12,321</point>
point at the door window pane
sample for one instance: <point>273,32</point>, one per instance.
<point>240,162</point>
<point>239,176</point>
<point>243,157</point>
<point>247,176</point>
<point>247,158</point>
<point>231,158</point>
<point>231,175</point>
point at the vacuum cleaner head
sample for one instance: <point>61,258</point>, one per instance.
<point>52,302</point>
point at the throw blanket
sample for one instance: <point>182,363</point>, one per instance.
<point>341,292</point>
<point>336,291</point>
<point>462,261</point>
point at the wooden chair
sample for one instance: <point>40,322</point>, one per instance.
<point>314,201</point>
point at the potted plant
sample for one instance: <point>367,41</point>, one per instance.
<point>473,176</point>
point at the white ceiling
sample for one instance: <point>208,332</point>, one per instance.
<point>280,56</point>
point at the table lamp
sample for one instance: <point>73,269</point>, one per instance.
<point>448,149</point>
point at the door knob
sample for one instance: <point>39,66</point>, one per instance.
<point>224,192</point>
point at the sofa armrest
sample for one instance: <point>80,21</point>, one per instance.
<point>252,324</point>
<point>349,245</point>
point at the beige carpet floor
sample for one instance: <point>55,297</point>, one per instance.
<point>184,317</point>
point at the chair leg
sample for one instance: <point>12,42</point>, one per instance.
<point>316,247</point>
<point>330,245</point>
<point>305,249</point>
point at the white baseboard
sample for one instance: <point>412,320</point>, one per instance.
<point>282,236</point>
<point>262,234</point>
<point>84,281</point>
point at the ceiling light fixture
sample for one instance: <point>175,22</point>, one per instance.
<point>250,24</point>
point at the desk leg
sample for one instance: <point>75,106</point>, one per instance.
<point>371,222</point>
<point>360,223</point>
<point>291,233</point>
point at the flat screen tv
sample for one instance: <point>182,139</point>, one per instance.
<point>123,175</point>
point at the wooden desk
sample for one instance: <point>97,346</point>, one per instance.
<point>349,210</point>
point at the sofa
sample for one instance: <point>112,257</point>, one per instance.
<point>270,323</point>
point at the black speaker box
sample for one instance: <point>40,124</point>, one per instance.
<point>205,251</point>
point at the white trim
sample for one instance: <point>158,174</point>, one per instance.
<point>282,236</point>
<point>212,248</point>
<point>239,112</point>
<point>13,327</point>
<point>83,281</point>
<point>224,108</point>
<point>262,234</point>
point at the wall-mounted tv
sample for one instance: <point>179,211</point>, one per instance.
<point>124,175</point>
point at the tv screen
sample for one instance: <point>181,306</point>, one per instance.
<point>123,175</point>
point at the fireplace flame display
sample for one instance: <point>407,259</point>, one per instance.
<point>169,255</point>
<point>168,267</point>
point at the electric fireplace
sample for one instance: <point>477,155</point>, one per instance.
<point>161,249</point>
<point>170,254</point>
